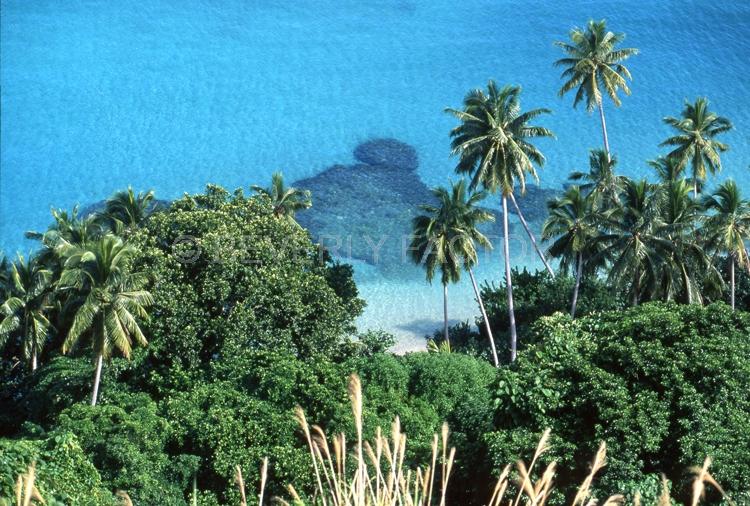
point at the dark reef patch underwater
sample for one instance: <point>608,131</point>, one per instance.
<point>365,210</point>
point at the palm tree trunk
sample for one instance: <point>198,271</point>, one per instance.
<point>686,281</point>
<point>97,378</point>
<point>636,287</point>
<point>604,127</point>
<point>508,282</point>
<point>445,312</point>
<point>194,498</point>
<point>26,336</point>
<point>579,274</point>
<point>531,236</point>
<point>732,279</point>
<point>484,316</point>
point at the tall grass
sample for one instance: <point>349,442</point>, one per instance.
<point>375,474</point>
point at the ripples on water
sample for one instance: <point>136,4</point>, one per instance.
<point>172,95</point>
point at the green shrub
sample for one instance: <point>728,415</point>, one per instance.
<point>127,439</point>
<point>664,385</point>
<point>64,472</point>
<point>226,428</point>
<point>227,272</point>
<point>537,294</point>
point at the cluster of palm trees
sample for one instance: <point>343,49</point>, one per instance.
<point>654,240</point>
<point>81,280</point>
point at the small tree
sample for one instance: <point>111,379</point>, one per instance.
<point>24,312</point>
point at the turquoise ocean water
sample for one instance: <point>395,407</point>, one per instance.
<point>171,95</point>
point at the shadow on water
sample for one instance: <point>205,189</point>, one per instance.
<point>364,211</point>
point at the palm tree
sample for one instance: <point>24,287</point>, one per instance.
<point>286,201</point>
<point>572,221</point>
<point>128,209</point>
<point>696,141</point>
<point>632,240</point>
<point>431,247</point>
<point>667,169</point>
<point>25,309</point>
<point>459,217</point>
<point>493,142</point>
<point>601,180</point>
<point>114,299</point>
<point>728,228</point>
<point>593,61</point>
<point>687,263</point>
<point>68,229</point>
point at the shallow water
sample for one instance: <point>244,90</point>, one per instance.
<point>170,95</point>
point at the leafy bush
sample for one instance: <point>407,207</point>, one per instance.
<point>537,294</point>
<point>465,339</point>
<point>664,385</point>
<point>226,428</point>
<point>126,439</point>
<point>64,471</point>
<point>251,320</point>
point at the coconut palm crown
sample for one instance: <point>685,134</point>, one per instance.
<point>632,240</point>
<point>593,67</point>
<point>128,209</point>
<point>572,223</point>
<point>24,312</point>
<point>695,141</point>
<point>667,169</point>
<point>687,272</point>
<point>601,180</point>
<point>493,140</point>
<point>286,201</point>
<point>728,227</point>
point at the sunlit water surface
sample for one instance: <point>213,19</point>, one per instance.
<point>172,95</point>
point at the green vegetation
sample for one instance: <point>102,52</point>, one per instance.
<point>286,201</point>
<point>572,221</point>
<point>113,297</point>
<point>728,228</point>
<point>234,348</point>
<point>220,322</point>
<point>640,380</point>
<point>25,307</point>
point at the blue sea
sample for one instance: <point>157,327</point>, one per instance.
<point>174,94</point>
